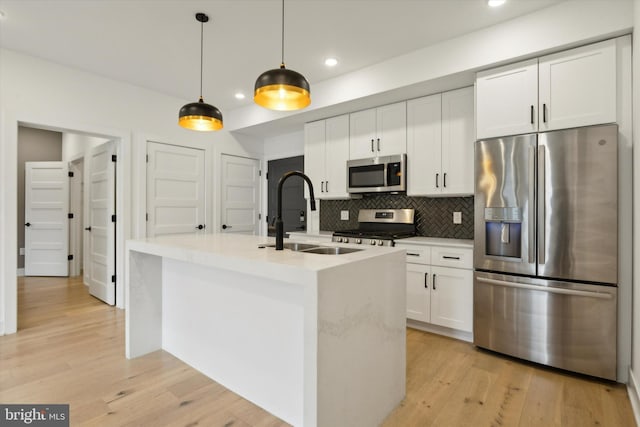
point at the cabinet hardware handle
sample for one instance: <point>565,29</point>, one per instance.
<point>437,175</point>
<point>434,282</point>
<point>322,186</point>
<point>544,113</point>
<point>378,144</point>
<point>326,186</point>
<point>444,180</point>
<point>451,257</point>
<point>372,145</point>
<point>532,114</point>
<point>412,254</point>
<point>426,280</point>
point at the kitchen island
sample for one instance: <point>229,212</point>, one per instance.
<point>317,340</point>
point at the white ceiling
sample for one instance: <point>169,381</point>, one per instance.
<point>156,43</point>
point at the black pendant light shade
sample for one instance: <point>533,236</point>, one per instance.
<point>200,115</point>
<point>282,89</point>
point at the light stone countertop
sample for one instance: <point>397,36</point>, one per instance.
<point>432,241</point>
<point>241,253</point>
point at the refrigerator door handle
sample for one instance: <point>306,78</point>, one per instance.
<point>599,295</point>
<point>532,204</point>
<point>541,205</point>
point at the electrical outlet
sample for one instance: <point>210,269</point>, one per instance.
<point>457,217</point>
<point>344,215</point>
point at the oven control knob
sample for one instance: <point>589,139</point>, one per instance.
<point>340,239</point>
<point>358,241</point>
<point>373,242</point>
<point>380,242</point>
<point>345,240</point>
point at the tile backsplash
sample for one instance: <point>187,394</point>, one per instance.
<point>434,216</point>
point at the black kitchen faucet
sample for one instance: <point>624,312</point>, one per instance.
<point>279,223</point>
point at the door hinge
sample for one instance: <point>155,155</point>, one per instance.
<point>259,216</point>
<point>70,216</point>
<point>114,158</point>
<point>266,218</point>
<point>113,218</point>
<point>70,174</point>
<point>70,257</point>
<point>259,173</point>
<point>147,158</point>
<point>146,216</point>
<point>113,278</point>
<point>266,176</point>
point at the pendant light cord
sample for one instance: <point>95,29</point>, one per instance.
<point>282,61</point>
<point>201,50</point>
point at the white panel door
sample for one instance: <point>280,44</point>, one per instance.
<point>424,142</point>
<point>452,298</point>
<point>507,100</point>
<point>418,292</point>
<point>457,142</point>
<point>240,195</point>
<point>176,192</point>
<point>46,219</point>
<point>578,87</point>
<point>101,227</point>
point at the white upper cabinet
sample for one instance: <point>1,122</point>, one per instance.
<point>378,131</point>
<point>578,87</point>
<point>440,143</point>
<point>326,150</point>
<point>507,100</point>
<point>573,88</point>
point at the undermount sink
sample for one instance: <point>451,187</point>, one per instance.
<point>331,250</point>
<point>315,249</point>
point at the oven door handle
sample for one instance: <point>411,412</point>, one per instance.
<point>563,291</point>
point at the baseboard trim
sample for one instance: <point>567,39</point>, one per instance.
<point>20,272</point>
<point>440,330</point>
<point>632,391</point>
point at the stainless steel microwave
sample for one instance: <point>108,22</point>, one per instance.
<point>377,174</point>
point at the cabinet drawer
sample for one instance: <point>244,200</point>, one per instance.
<point>417,254</point>
<point>452,257</point>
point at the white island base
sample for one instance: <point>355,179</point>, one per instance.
<point>317,340</point>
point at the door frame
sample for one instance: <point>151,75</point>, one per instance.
<point>9,122</point>
<point>76,224</point>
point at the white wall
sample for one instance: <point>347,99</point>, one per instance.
<point>51,96</point>
<point>634,377</point>
<point>75,144</point>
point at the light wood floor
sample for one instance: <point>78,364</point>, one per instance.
<point>70,349</point>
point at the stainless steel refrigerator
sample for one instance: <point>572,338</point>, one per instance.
<point>546,241</point>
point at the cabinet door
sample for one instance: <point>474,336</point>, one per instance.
<point>418,297</point>
<point>362,134</point>
<point>457,142</point>
<point>507,100</point>
<point>336,156</point>
<point>578,87</point>
<point>314,157</point>
<point>452,298</point>
<point>424,137</point>
<point>391,128</point>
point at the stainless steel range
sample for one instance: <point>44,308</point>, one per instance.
<point>379,227</point>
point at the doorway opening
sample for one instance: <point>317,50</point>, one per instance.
<point>294,205</point>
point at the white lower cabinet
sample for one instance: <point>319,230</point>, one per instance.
<point>440,286</point>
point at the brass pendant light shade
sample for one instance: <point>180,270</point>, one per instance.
<point>282,89</point>
<point>200,115</point>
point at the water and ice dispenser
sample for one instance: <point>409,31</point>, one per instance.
<point>503,232</point>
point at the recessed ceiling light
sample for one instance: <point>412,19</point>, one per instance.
<point>331,62</point>
<point>495,3</point>
<point>239,95</point>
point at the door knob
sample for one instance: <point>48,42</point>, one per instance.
<point>225,226</point>
<point>28,224</point>
<point>200,227</point>
<point>88,228</point>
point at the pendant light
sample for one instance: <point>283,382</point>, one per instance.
<point>282,89</point>
<point>200,115</point>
